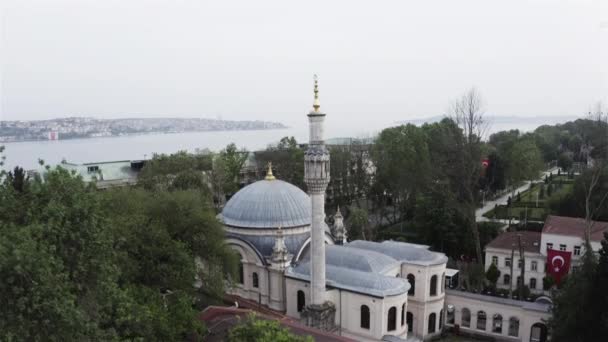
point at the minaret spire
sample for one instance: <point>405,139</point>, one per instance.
<point>316,177</point>
<point>316,105</point>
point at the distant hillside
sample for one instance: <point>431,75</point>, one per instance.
<point>81,127</point>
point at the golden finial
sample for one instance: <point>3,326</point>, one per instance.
<point>316,104</point>
<point>269,175</point>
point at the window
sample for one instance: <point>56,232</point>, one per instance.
<point>432,319</point>
<point>466,318</point>
<point>392,319</point>
<point>256,281</point>
<point>495,260</point>
<point>507,280</point>
<point>451,314</point>
<point>433,288</point>
<point>410,321</point>
<point>549,245</point>
<point>93,168</point>
<point>497,324</point>
<point>364,316</point>
<point>443,282</point>
<point>513,326</point>
<point>562,248</point>
<point>534,265</point>
<point>301,301</point>
<point>440,319</point>
<point>412,280</point>
<point>241,271</point>
<point>507,262</point>
<point>518,280</point>
<point>533,283</point>
<point>520,263</point>
<point>403,314</point>
<point>481,320</point>
<point>577,250</point>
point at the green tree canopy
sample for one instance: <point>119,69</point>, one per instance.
<point>254,329</point>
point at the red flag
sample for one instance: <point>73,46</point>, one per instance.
<point>485,163</point>
<point>558,263</point>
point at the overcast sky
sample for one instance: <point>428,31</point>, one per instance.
<point>378,61</point>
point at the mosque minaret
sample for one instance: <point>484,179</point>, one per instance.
<point>316,177</point>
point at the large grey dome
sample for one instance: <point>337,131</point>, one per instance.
<point>268,204</point>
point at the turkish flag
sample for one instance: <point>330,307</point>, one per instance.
<point>485,163</point>
<point>558,263</point>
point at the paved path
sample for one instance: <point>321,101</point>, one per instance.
<point>503,200</point>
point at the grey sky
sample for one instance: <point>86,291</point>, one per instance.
<point>378,61</point>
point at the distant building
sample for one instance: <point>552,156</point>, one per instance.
<point>107,174</point>
<point>53,135</point>
<point>561,233</point>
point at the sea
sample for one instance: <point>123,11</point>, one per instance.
<point>138,147</point>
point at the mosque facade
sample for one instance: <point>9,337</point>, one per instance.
<point>292,262</point>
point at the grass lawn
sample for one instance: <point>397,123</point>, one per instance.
<point>504,213</point>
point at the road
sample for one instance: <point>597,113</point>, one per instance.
<point>503,200</point>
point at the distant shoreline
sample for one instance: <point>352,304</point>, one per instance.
<point>138,134</point>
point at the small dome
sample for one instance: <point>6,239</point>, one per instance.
<point>268,204</point>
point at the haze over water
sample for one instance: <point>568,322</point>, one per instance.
<point>134,147</point>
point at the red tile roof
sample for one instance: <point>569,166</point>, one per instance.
<point>529,240</point>
<point>220,319</point>
<point>574,226</point>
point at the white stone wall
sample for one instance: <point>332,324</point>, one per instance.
<point>422,304</point>
<point>348,311</point>
<point>569,241</point>
<point>527,317</point>
<point>503,254</point>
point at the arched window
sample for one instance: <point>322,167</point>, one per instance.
<point>481,320</point>
<point>392,319</point>
<point>538,332</point>
<point>442,283</point>
<point>433,288</point>
<point>410,321</point>
<point>497,324</point>
<point>513,326</point>
<point>403,314</point>
<point>533,283</point>
<point>364,317</point>
<point>432,319</point>
<point>507,279</point>
<point>440,319</point>
<point>241,270</point>
<point>256,281</point>
<point>301,301</point>
<point>412,280</point>
<point>466,318</point>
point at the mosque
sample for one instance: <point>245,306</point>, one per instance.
<point>291,261</point>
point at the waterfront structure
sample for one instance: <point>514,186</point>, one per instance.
<point>105,175</point>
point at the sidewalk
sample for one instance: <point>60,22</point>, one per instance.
<point>503,200</point>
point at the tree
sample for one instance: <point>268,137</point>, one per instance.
<point>401,158</point>
<point>358,224</point>
<point>564,162</point>
<point>232,161</point>
<point>541,192</point>
<point>580,307</point>
<point>286,158</point>
<point>467,113</point>
<point>263,330</point>
<point>524,161</point>
<point>492,274</point>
